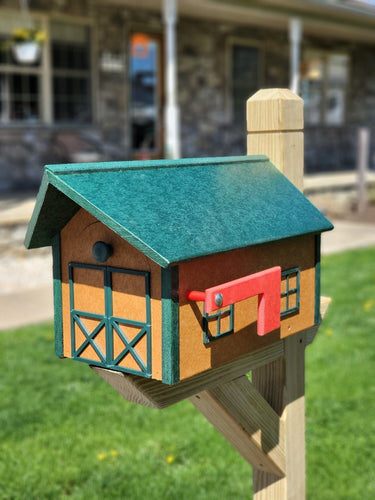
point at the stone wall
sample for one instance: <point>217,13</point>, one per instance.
<point>207,126</point>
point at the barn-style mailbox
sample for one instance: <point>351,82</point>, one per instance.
<point>166,269</point>
<point>174,279</point>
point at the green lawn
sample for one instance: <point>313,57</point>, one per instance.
<point>64,433</point>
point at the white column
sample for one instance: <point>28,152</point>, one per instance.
<point>295,35</point>
<point>172,115</point>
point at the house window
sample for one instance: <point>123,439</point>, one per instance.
<point>324,84</point>
<point>70,45</point>
<point>20,85</point>
<point>25,90</point>
<point>290,291</point>
<point>244,77</point>
<point>218,324</point>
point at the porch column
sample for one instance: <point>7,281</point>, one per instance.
<point>172,115</point>
<point>295,35</point>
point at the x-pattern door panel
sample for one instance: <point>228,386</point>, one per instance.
<point>111,317</point>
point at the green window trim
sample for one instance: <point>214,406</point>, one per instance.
<point>221,313</point>
<point>111,324</point>
<point>289,292</point>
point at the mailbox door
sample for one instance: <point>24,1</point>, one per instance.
<point>110,317</point>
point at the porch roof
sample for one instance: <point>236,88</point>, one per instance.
<point>342,19</point>
<point>177,210</point>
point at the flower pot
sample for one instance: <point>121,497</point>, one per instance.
<point>26,52</point>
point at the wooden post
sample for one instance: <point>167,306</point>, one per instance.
<point>275,124</point>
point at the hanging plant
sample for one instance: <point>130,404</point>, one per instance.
<point>26,44</point>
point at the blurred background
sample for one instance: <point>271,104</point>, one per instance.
<point>105,80</point>
<point>108,80</point>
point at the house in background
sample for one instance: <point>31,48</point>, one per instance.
<point>128,79</point>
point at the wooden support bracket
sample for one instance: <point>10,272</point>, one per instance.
<point>247,421</point>
<point>155,394</point>
<point>263,419</point>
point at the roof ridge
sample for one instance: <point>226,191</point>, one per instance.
<point>70,168</point>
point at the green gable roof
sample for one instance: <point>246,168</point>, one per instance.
<point>177,210</point>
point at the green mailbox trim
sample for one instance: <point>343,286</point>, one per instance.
<point>57,296</point>
<point>170,326</point>
<point>317,279</point>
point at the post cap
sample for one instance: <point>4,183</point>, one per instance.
<point>274,110</point>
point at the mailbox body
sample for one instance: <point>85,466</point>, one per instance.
<point>180,340</point>
<point>131,312</point>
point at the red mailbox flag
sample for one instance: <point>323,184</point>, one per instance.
<point>266,284</point>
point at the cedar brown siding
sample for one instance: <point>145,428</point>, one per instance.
<point>199,274</point>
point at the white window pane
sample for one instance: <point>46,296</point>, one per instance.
<point>324,81</point>
<point>337,69</point>
<point>70,50</point>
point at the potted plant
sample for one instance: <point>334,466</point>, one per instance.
<point>26,43</point>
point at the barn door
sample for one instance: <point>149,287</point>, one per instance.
<point>111,317</point>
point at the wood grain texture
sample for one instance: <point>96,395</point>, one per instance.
<point>247,421</point>
<point>282,148</point>
<point>275,123</point>
<point>160,395</point>
<point>274,110</point>
<point>269,380</point>
<point>294,416</point>
<point>282,383</point>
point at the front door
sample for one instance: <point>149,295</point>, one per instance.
<point>146,77</point>
<point>111,317</point>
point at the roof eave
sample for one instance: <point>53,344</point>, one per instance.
<point>53,209</point>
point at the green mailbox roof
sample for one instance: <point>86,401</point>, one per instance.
<point>174,210</point>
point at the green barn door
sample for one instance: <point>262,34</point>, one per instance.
<point>111,317</point>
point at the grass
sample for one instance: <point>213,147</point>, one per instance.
<point>64,433</point>
<point>340,383</point>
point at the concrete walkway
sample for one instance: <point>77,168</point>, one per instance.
<point>26,276</point>
<point>348,235</point>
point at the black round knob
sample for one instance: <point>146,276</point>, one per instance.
<point>101,251</point>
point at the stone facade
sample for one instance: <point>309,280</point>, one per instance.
<point>207,124</point>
